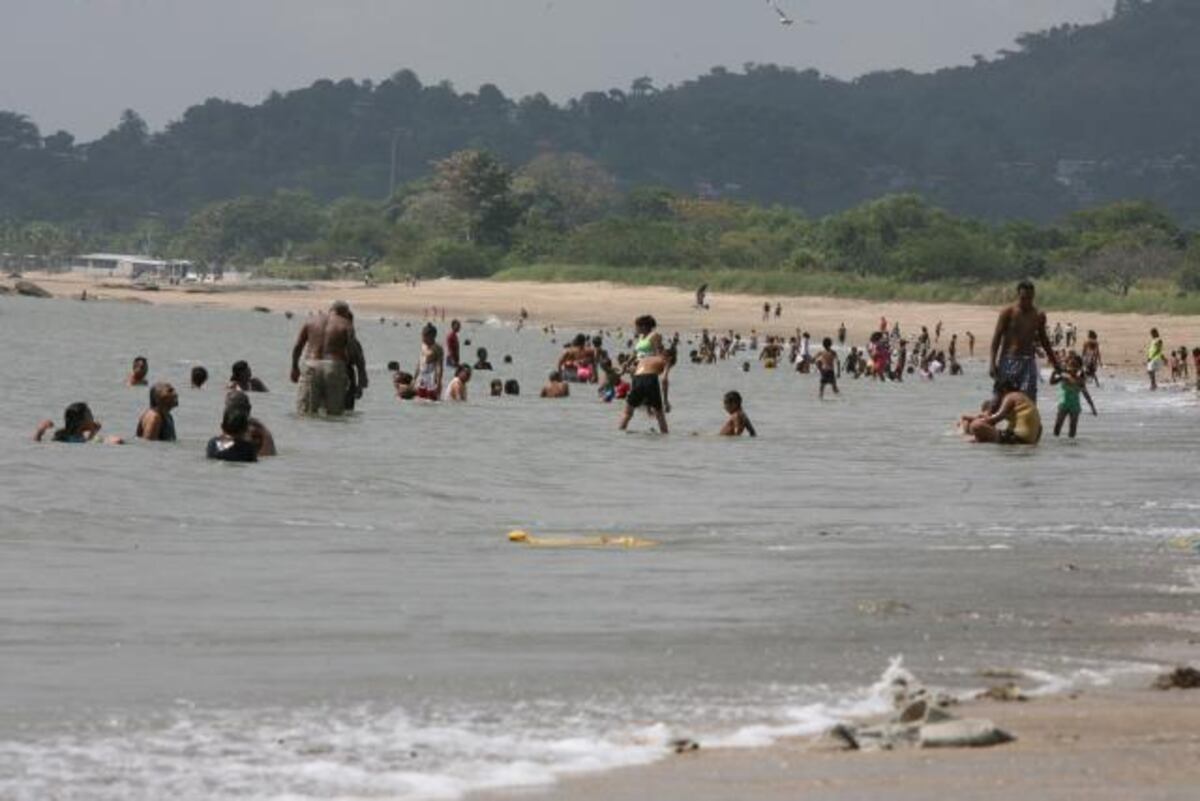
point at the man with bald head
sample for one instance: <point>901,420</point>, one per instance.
<point>326,341</point>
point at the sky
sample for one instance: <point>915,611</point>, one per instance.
<point>76,64</point>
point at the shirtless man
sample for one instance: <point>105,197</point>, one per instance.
<point>649,387</point>
<point>325,342</point>
<point>429,366</point>
<point>556,387</point>
<point>1020,328</point>
<point>828,366</point>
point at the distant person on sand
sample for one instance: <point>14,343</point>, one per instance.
<point>1154,358</point>
<point>1016,409</point>
<point>324,340</point>
<point>199,377</point>
<point>738,422</point>
<point>79,426</point>
<point>1020,329</point>
<point>137,375</point>
<point>555,386</point>
<point>1071,384</point>
<point>429,365</point>
<point>970,344</point>
<point>701,297</point>
<point>242,378</point>
<point>828,366</point>
<point>841,334</point>
<point>156,423</point>
<point>457,391</point>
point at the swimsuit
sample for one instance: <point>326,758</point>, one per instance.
<point>323,385</point>
<point>427,382</point>
<point>1026,423</point>
<point>646,391</point>
<point>1068,399</point>
<point>828,377</point>
<point>1022,371</point>
<point>231,450</point>
<point>644,346</point>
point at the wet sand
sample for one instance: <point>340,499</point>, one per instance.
<point>1113,746</point>
<point>1123,337</point>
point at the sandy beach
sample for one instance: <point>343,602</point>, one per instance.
<point>1114,746</point>
<point>1123,337</point>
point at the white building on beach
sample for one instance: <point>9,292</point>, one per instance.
<point>133,267</point>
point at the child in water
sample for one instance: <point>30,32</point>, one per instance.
<point>738,422</point>
<point>827,365</point>
<point>1071,385</point>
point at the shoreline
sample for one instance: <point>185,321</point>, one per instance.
<point>1123,337</point>
<point>1100,745</point>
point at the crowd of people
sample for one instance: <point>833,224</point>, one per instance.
<point>329,368</point>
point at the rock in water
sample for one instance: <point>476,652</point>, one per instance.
<point>1181,678</point>
<point>963,734</point>
<point>30,290</point>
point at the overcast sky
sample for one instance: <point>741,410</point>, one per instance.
<point>75,64</point>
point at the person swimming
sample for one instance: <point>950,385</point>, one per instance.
<point>233,443</point>
<point>241,377</point>
<point>199,377</point>
<point>137,375</point>
<point>156,423</point>
<point>457,390</point>
<point>738,422</point>
<point>79,426</point>
<point>257,431</point>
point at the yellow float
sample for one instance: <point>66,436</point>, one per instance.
<point>599,541</point>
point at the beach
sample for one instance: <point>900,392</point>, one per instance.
<point>1123,337</point>
<point>350,619</point>
<point>1116,746</point>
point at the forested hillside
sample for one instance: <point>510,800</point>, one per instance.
<point>1071,117</point>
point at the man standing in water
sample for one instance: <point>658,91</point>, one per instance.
<point>325,340</point>
<point>1020,329</point>
<point>452,354</point>
<point>429,366</point>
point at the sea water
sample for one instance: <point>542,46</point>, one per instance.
<point>349,619</point>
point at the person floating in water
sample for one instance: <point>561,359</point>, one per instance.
<point>1016,409</point>
<point>79,426</point>
<point>241,378</point>
<point>738,422</point>
<point>233,443</point>
<point>1071,384</point>
<point>429,365</point>
<point>828,367</point>
<point>137,375</point>
<point>324,340</point>
<point>156,423</point>
<point>199,377</point>
<point>481,360</point>
<point>1020,329</point>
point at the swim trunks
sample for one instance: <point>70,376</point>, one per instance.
<point>645,391</point>
<point>828,378</point>
<point>1022,371</point>
<point>323,386</point>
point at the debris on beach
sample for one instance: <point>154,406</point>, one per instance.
<point>1002,692</point>
<point>921,720</point>
<point>1181,678</point>
<point>30,290</point>
<point>685,745</point>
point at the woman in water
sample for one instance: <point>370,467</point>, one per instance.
<point>79,426</point>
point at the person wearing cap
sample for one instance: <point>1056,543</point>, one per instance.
<point>325,342</point>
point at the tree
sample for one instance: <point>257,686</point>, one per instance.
<point>569,188</point>
<point>481,187</point>
<point>358,232</point>
<point>1120,266</point>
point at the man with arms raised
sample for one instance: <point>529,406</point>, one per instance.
<point>325,340</point>
<point>1019,330</point>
